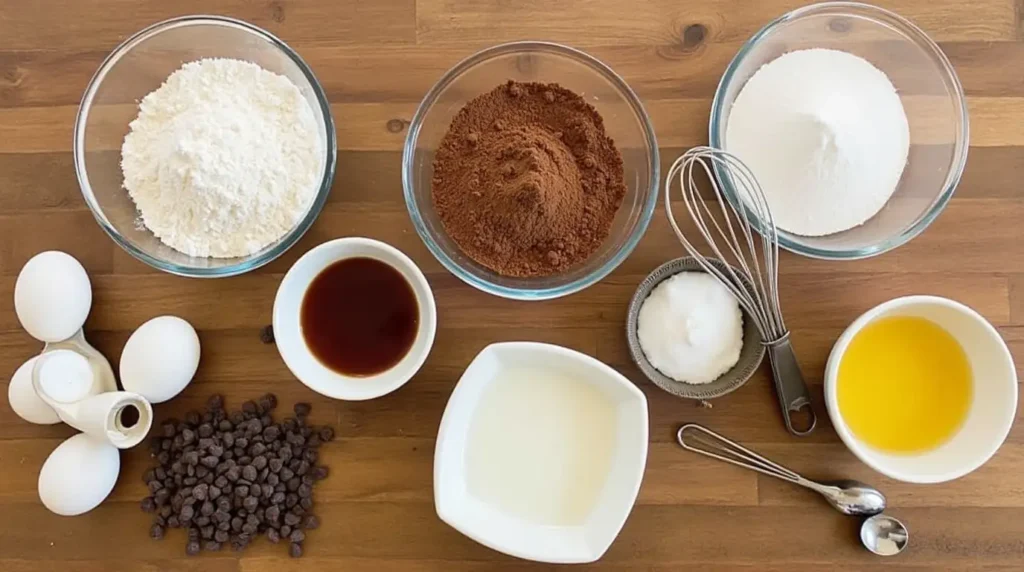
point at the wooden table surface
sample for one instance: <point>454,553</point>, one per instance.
<point>376,59</point>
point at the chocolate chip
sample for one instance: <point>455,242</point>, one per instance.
<point>156,532</point>
<point>212,546</point>
<point>148,504</point>
<point>249,473</point>
<point>302,409</point>
<point>273,513</point>
<point>311,522</point>
<point>215,401</point>
<point>295,550</point>
<point>273,535</point>
<point>320,473</point>
<point>193,548</point>
<point>306,503</point>
<point>326,434</point>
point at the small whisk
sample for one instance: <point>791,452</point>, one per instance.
<point>733,241</point>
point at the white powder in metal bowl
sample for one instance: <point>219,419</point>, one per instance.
<point>223,159</point>
<point>825,133</point>
<point>690,328</point>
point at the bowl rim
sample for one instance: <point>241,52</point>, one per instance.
<point>459,411</point>
<point>915,34</point>
<point>340,385</point>
<point>855,445</point>
<point>248,263</point>
<point>646,213</point>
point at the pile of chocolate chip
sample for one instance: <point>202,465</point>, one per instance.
<point>232,477</point>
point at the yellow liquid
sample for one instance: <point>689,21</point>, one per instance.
<point>904,385</point>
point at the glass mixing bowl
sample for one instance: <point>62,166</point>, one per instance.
<point>625,121</point>
<point>932,98</point>
<point>139,66</point>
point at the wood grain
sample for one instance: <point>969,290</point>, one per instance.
<point>375,60</point>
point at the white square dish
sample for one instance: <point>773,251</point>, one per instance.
<point>484,521</point>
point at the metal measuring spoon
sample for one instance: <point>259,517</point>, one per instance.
<point>847,496</point>
<point>884,535</point>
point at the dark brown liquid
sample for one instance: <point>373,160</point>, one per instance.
<point>359,316</point>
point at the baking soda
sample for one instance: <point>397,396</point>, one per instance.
<point>826,135</point>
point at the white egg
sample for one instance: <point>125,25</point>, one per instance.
<point>52,296</point>
<point>78,475</point>
<point>160,358</point>
<point>24,399</point>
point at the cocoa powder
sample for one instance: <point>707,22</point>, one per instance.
<point>526,182</point>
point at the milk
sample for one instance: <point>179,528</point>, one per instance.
<point>540,446</point>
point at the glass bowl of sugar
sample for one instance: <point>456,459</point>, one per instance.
<point>204,146</point>
<point>854,123</point>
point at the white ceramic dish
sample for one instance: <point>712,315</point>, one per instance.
<point>288,330</point>
<point>992,411</point>
<point>545,543</point>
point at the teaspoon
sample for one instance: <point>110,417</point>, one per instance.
<point>847,496</point>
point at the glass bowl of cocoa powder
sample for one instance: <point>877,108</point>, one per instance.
<point>530,170</point>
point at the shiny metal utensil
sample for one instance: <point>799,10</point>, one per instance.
<point>734,241</point>
<point>884,535</point>
<point>848,497</point>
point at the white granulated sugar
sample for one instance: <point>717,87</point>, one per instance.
<point>825,133</point>
<point>223,159</point>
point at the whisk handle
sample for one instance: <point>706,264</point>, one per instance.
<point>790,386</point>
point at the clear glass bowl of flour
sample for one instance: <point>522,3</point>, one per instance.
<point>932,98</point>
<point>137,67</point>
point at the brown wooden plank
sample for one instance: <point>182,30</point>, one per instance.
<point>1017,299</point>
<point>702,533</point>
<point>679,122</point>
<point>223,563</point>
<point>663,21</point>
<point>102,24</point>
<point>687,66</point>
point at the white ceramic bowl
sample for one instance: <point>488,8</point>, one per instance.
<point>288,329</point>
<point>992,411</point>
<point>491,527</point>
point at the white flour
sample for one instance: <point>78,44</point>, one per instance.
<point>223,159</point>
<point>825,134</point>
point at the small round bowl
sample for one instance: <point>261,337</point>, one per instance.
<point>625,121</point>
<point>288,327</point>
<point>137,67</point>
<point>932,98</point>
<point>993,406</point>
<point>750,355</point>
